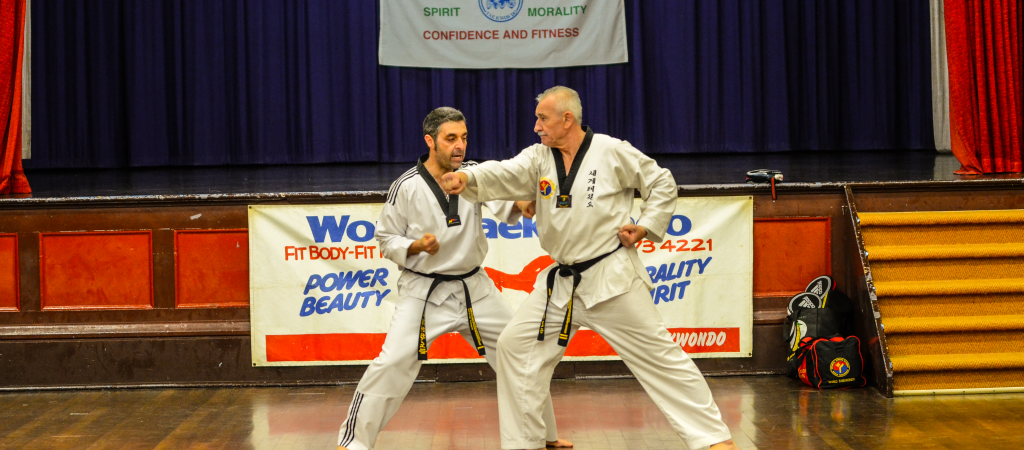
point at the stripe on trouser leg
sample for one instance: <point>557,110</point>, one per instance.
<point>350,430</point>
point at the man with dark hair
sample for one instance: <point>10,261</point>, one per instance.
<point>438,242</point>
<point>583,184</point>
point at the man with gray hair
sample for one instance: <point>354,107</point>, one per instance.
<point>438,242</point>
<point>583,185</point>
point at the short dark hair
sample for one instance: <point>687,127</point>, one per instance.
<point>440,116</point>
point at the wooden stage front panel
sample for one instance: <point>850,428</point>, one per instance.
<point>211,268</point>
<point>96,270</point>
<point>197,331</point>
<point>789,253</point>
<point>9,272</point>
<point>186,337</point>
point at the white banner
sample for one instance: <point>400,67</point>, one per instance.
<point>703,273</point>
<point>494,34</point>
<point>322,294</point>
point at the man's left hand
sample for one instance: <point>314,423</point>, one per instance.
<point>631,234</point>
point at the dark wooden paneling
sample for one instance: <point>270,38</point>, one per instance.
<point>28,318</point>
<point>219,360</point>
<point>211,268</point>
<point>874,199</point>
<point>163,269</point>
<point>9,269</point>
<point>96,270</point>
<point>126,216</point>
<point>183,345</point>
<point>159,217</point>
<point>147,361</point>
<point>115,330</point>
<point>824,202</point>
<point>28,260</point>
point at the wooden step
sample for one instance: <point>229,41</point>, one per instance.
<point>952,305</point>
<point>976,361</point>
<point>950,235</point>
<point>949,287</point>
<point>964,270</point>
<point>911,252</point>
<point>959,382</point>
<point>897,325</point>
<point>941,218</point>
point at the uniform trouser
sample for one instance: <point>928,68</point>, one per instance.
<point>390,376</point>
<point>634,328</point>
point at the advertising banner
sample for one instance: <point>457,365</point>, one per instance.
<point>321,292</point>
<point>494,34</point>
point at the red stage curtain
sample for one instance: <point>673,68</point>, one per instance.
<point>12,47</point>
<point>984,52</point>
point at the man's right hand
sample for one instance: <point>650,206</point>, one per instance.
<point>528,208</point>
<point>428,243</point>
<point>454,182</point>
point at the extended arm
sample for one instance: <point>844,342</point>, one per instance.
<point>511,179</point>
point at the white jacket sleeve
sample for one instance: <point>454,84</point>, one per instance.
<point>503,211</point>
<point>511,179</point>
<point>391,228</point>
<point>658,193</point>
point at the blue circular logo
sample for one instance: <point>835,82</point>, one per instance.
<point>501,10</point>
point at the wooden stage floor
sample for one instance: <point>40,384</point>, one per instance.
<point>767,412</point>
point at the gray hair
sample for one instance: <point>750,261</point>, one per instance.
<point>440,116</point>
<point>566,99</point>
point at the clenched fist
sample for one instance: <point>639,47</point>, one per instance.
<point>631,234</point>
<point>454,182</point>
<point>428,243</point>
<point>528,208</point>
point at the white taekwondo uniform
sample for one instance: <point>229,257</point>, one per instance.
<point>613,296</point>
<point>411,210</point>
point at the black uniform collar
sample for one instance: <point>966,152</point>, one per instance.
<point>565,180</point>
<point>449,203</point>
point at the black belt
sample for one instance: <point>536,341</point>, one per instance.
<point>438,279</point>
<point>565,270</point>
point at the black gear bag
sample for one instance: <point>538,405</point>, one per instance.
<point>819,355</point>
<point>830,363</point>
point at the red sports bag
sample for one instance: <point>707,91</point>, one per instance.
<point>830,363</point>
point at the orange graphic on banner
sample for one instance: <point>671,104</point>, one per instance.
<point>523,281</point>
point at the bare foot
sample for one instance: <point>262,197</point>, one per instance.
<point>561,443</point>
<point>726,445</point>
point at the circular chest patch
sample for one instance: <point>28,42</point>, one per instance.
<point>547,188</point>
